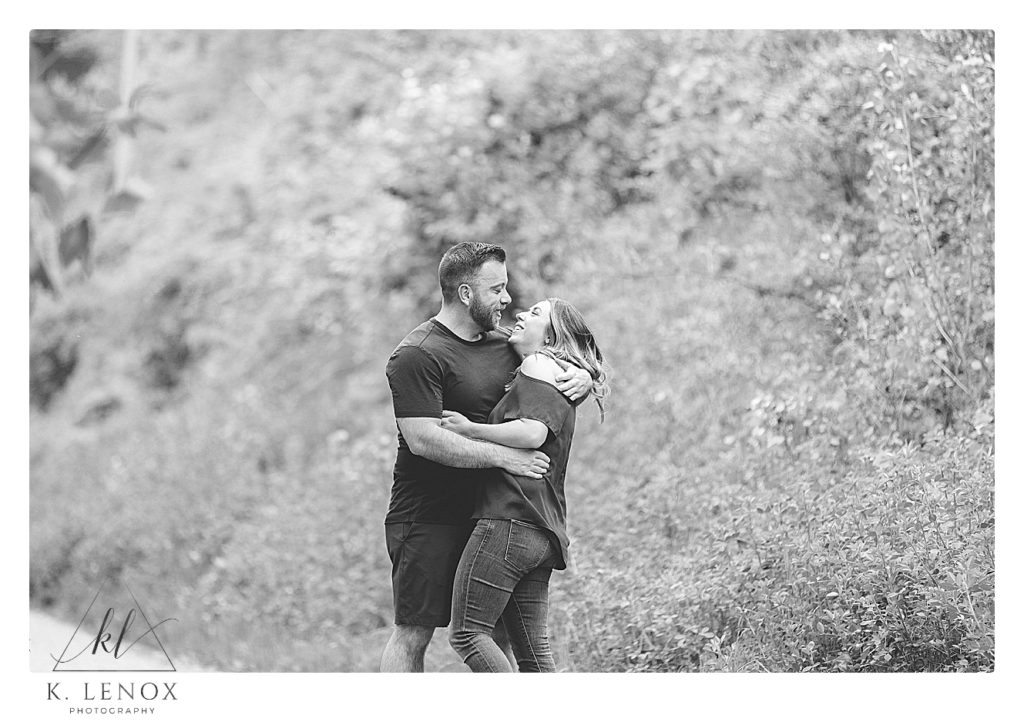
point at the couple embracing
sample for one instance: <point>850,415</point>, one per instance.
<point>485,415</point>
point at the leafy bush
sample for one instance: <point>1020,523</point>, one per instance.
<point>887,567</point>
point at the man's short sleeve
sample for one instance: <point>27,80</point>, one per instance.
<point>416,383</point>
<point>530,398</point>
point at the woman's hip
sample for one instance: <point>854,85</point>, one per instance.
<point>520,546</point>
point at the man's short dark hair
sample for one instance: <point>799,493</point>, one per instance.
<point>460,264</point>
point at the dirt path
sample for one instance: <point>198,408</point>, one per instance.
<point>49,636</point>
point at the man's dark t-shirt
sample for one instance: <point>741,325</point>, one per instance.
<point>430,370</point>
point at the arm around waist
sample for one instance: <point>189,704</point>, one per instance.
<point>426,438</point>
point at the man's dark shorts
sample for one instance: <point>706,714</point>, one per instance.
<point>424,558</point>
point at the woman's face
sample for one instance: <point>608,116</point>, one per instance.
<point>532,327</point>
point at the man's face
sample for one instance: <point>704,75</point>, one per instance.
<point>489,296</point>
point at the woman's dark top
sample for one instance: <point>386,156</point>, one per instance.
<point>540,502</point>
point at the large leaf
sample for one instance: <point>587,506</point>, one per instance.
<point>76,244</point>
<point>125,200</point>
<point>91,149</point>
<point>49,178</point>
<point>37,272</point>
<point>52,58</point>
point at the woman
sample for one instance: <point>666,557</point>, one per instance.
<point>520,532</point>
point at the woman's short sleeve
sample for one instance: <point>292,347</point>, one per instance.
<point>530,398</point>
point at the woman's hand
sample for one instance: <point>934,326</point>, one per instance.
<point>454,421</point>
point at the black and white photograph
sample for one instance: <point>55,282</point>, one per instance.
<point>618,351</point>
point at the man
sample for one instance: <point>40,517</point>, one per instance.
<point>457,360</point>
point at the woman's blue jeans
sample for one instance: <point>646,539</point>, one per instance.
<point>503,573</point>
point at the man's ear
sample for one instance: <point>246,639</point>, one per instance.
<point>465,293</point>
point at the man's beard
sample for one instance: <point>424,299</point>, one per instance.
<point>482,315</point>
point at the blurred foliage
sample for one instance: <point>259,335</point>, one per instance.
<point>79,152</point>
<point>783,240</point>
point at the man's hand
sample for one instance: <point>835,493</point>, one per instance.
<point>573,382</point>
<point>456,422</point>
<point>525,462</point>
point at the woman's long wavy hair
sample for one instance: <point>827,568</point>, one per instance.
<point>573,342</point>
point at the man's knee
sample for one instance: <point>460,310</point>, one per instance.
<point>405,649</point>
<point>412,637</point>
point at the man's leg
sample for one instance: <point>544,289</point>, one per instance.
<point>404,651</point>
<point>424,558</point>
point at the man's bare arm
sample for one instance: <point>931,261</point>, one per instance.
<point>426,438</point>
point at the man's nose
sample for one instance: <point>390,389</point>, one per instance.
<point>505,298</point>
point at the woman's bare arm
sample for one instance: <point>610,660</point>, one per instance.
<point>517,433</point>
